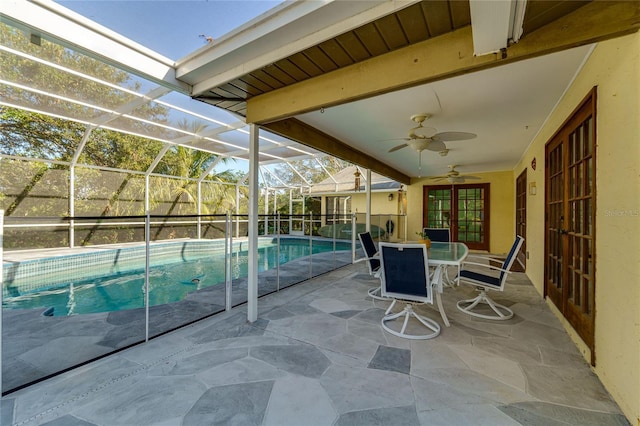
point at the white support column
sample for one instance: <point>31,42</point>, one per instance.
<point>368,213</point>
<point>252,288</point>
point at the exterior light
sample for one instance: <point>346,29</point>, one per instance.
<point>357,175</point>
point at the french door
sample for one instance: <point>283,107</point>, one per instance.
<point>464,209</point>
<point>570,220</point>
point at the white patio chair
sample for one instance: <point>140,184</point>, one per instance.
<point>373,262</point>
<point>485,283</point>
<point>405,278</point>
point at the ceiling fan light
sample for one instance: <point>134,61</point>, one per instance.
<point>422,132</point>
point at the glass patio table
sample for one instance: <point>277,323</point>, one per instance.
<point>441,255</point>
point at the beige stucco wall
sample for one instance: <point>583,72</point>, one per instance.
<point>501,202</point>
<point>614,67</point>
<point>380,203</point>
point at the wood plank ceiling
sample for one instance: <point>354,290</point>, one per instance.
<point>416,23</point>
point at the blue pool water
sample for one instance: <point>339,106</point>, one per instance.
<point>169,282</point>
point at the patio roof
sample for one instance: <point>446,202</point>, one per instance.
<point>348,90</point>
<point>298,69</point>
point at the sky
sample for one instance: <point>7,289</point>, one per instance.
<point>170,27</point>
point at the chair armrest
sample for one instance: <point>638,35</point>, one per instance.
<point>485,257</point>
<point>495,268</point>
<point>366,259</point>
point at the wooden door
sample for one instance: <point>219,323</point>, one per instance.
<point>464,209</point>
<point>570,220</point>
<point>521,217</point>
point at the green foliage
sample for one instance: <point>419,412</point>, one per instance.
<point>32,188</point>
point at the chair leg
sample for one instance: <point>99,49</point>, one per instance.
<point>447,281</point>
<point>502,313</point>
<point>374,293</point>
<point>441,309</point>
<point>407,313</point>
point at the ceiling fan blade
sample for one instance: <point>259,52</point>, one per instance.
<point>436,146</point>
<point>471,177</point>
<point>436,177</point>
<point>454,136</point>
<point>398,147</point>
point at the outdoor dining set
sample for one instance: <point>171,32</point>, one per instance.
<point>415,273</point>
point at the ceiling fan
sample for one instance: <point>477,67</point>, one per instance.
<point>421,138</point>
<point>453,176</point>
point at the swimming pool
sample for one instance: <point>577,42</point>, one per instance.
<point>115,281</point>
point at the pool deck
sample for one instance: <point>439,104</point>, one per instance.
<point>36,346</point>
<point>317,355</point>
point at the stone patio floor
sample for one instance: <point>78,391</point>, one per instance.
<point>318,356</point>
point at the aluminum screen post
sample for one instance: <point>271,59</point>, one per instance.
<point>278,252</point>
<point>228,257</point>
<point>353,238</point>
<point>310,244</point>
<point>72,205</point>
<point>199,210</point>
<point>368,197</point>
<point>237,210</point>
<point>1,288</point>
<point>334,241</point>
<point>147,258</point>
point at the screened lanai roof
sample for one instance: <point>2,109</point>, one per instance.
<point>60,64</point>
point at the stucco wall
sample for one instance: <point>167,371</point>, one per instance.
<point>501,208</point>
<point>380,203</point>
<point>614,67</point>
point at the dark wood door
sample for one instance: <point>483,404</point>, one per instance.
<point>464,209</point>
<point>521,217</point>
<point>570,220</point>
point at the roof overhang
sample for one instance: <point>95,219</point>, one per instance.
<point>279,33</point>
<point>244,76</point>
<point>439,58</point>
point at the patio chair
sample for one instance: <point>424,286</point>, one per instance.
<point>440,235</point>
<point>405,277</point>
<point>373,261</point>
<point>487,282</point>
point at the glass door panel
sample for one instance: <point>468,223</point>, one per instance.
<point>570,219</point>
<point>462,208</point>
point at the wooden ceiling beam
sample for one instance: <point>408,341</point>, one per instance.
<point>439,58</point>
<point>300,132</point>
